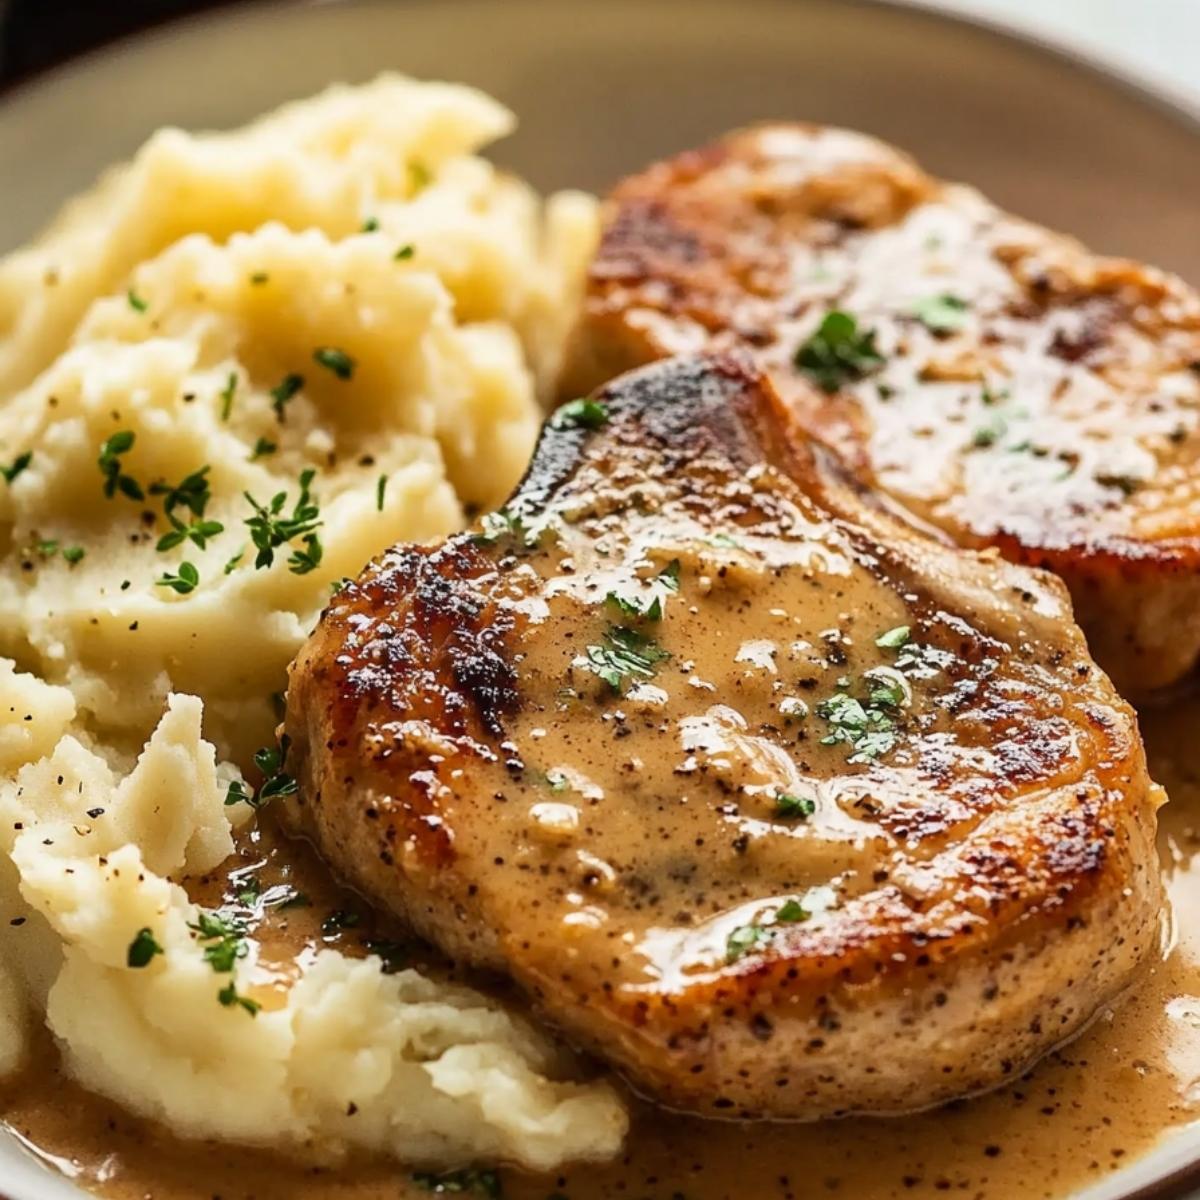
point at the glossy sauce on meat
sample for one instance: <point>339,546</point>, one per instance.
<point>1004,386</point>
<point>1080,1115</point>
<point>773,804</point>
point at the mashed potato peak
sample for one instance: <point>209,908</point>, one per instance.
<point>229,375</point>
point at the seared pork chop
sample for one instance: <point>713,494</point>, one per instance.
<point>774,803</point>
<point>1002,384</point>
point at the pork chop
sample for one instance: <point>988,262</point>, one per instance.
<point>1000,383</point>
<point>774,803</point>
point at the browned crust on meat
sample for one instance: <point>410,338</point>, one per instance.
<point>1041,890</point>
<point>709,250</point>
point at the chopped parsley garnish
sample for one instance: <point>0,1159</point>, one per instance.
<point>790,807</point>
<point>183,582</point>
<point>868,729</point>
<point>228,996</point>
<point>893,639</point>
<point>232,564</point>
<point>624,654</point>
<point>580,414</point>
<point>669,575</point>
<point>270,529</point>
<point>198,531</point>
<point>482,1182</point>
<point>405,252</point>
<point>237,794</point>
<point>746,938</point>
<point>259,278</point>
<point>370,225</point>
<point>136,302</point>
<point>73,554</point>
<point>224,940</point>
<point>283,392</point>
<point>838,353</point>
<point>270,761</point>
<point>651,611</point>
<point>262,448</point>
<point>941,314</point>
<point>227,393</point>
<point>142,949</point>
<point>115,480</point>
<point>308,556</point>
<point>17,465</point>
<point>791,911</point>
<point>380,490</point>
<point>335,360</point>
<point>191,492</point>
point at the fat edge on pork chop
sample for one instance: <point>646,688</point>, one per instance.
<point>777,806</point>
<point>1000,383</point>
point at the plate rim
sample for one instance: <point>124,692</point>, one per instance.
<point>1169,100</point>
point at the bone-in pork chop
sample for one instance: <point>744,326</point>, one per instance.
<point>999,382</point>
<point>774,803</point>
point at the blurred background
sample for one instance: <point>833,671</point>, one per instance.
<point>1088,119</point>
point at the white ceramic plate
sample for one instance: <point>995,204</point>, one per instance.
<point>603,86</point>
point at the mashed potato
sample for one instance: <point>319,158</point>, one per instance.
<point>233,372</point>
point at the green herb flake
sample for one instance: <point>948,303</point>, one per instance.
<point>262,448</point>
<point>869,730</point>
<point>941,314</point>
<point>652,610</point>
<point>17,466</point>
<point>142,949</point>
<point>405,253</point>
<point>136,302</point>
<point>270,528</point>
<point>380,491</point>
<point>335,360</point>
<point>109,462</point>
<point>183,582</point>
<point>790,807</point>
<point>669,575</point>
<point>838,353</point>
<point>894,638</point>
<point>226,395</point>
<point>237,794</point>
<point>624,654</point>
<point>580,414</point>
<point>276,781</point>
<point>192,493</point>
<point>791,911</point>
<point>370,225</point>
<point>259,278</point>
<point>223,939</point>
<point>283,392</point>
<point>744,939</point>
<point>232,564</point>
<point>229,996</point>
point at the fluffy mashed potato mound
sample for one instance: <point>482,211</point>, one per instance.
<point>344,287</point>
<point>229,375</point>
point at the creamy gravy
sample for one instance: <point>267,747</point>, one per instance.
<point>1083,1113</point>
